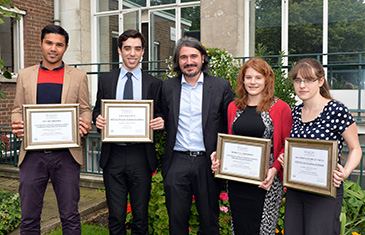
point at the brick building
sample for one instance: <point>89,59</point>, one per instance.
<point>34,16</point>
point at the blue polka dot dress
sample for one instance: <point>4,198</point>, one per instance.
<point>328,125</point>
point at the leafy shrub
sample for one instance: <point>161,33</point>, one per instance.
<point>353,209</point>
<point>222,64</point>
<point>157,211</point>
<point>224,214</point>
<point>9,211</point>
<point>158,216</point>
<point>280,225</point>
<point>284,88</point>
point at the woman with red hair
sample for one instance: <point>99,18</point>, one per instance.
<point>257,113</point>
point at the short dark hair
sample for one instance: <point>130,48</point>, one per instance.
<point>131,33</point>
<point>54,29</point>
<point>189,42</point>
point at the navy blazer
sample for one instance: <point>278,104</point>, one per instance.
<point>151,90</point>
<point>217,94</point>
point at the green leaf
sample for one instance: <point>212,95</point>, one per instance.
<point>6,3</point>
<point>7,74</point>
<point>2,95</point>
<point>8,14</point>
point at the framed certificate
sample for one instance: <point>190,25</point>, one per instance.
<point>52,126</point>
<point>244,159</point>
<point>309,164</point>
<point>127,120</point>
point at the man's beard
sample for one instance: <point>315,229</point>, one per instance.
<point>191,74</point>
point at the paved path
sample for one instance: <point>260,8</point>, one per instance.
<point>91,197</point>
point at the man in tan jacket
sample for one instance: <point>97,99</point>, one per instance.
<point>51,82</point>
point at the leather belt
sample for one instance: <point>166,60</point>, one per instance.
<point>48,151</point>
<point>192,153</point>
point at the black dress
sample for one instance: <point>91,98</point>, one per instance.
<point>254,210</point>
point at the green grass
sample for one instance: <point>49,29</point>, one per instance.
<point>86,229</point>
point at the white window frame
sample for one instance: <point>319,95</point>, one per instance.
<point>94,14</point>
<point>285,30</point>
<point>18,43</point>
<point>94,28</point>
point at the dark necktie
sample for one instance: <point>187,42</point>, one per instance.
<point>128,88</point>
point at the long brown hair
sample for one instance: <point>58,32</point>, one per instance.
<point>267,94</point>
<point>311,69</point>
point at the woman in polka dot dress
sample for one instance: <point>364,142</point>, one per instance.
<point>319,117</point>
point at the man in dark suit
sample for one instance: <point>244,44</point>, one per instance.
<point>195,110</point>
<point>128,167</point>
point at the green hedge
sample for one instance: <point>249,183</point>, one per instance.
<point>9,211</point>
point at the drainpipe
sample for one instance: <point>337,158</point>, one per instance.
<point>56,10</point>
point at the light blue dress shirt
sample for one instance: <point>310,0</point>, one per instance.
<point>189,135</point>
<point>137,83</point>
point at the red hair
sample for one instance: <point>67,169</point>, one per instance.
<point>267,94</point>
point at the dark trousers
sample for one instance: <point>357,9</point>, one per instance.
<point>246,204</point>
<point>34,172</point>
<point>312,214</point>
<point>188,176</point>
<point>127,170</point>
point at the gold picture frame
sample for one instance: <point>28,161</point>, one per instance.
<point>243,159</point>
<point>127,120</point>
<point>308,165</point>
<point>51,126</point>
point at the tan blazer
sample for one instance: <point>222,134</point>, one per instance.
<point>75,90</point>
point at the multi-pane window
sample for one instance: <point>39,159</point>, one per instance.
<point>162,22</point>
<point>11,44</point>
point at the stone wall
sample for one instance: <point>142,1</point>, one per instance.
<point>222,25</point>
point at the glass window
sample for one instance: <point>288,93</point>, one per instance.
<point>131,20</point>
<point>346,26</point>
<point>133,3</point>
<point>305,27</point>
<point>346,30</point>
<point>108,32</point>
<point>190,22</point>
<point>11,44</point>
<point>163,37</point>
<point>266,16</point>
<point>107,5</point>
<point>158,24</point>
<point>161,2</point>
<point>6,50</point>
